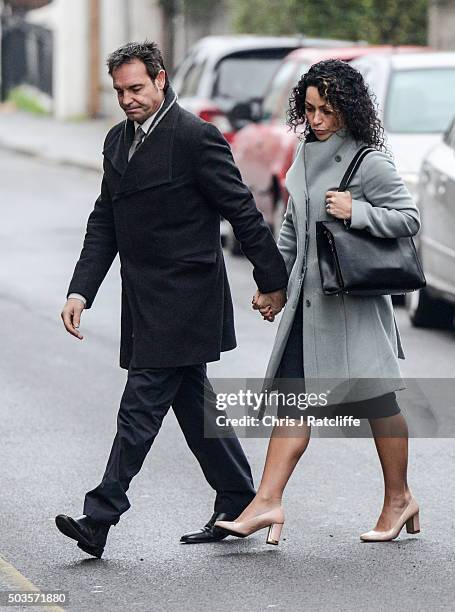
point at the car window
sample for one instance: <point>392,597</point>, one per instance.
<point>180,70</point>
<point>302,68</point>
<point>277,96</point>
<point>282,103</point>
<point>420,101</point>
<point>190,81</point>
<point>298,73</point>
<point>372,75</point>
<point>242,76</point>
<point>364,69</point>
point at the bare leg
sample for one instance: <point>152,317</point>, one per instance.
<point>286,446</point>
<point>391,440</point>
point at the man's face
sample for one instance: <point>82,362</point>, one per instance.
<point>138,95</point>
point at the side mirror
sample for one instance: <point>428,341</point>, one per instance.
<point>246,112</point>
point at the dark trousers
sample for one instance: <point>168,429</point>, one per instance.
<point>148,395</point>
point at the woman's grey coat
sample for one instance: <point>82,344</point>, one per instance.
<point>345,338</point>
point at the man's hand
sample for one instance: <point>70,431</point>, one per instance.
<point>269,304</point>
<point>71,316</point>
<point>339,204</point>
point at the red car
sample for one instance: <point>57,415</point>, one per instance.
<point>264,149</point>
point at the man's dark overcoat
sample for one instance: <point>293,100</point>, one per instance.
<point>161,213</point>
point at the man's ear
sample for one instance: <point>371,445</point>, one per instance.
<point>160,79</point>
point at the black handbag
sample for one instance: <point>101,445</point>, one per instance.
<point>355,262</point>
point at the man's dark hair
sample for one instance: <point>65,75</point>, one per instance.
<point>147,52</point>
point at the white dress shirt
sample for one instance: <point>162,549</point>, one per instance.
<point>148,122</point>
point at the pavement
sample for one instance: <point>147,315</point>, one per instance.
<point>74,143</point>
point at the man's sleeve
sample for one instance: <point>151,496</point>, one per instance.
<point>219,179</point>
<point>99,249</point>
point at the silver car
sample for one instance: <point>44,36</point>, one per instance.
<point>416,98</point>
<point>434,306</point>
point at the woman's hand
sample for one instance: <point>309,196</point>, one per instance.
<point>269,304</point>
<point>339,204</point>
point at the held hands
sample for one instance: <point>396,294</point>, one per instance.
<point>339,204</point>
<point>269,304</point>
<point>71,316</point>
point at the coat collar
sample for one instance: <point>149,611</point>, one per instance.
<point>336,151</point>
<point>316,157</point>
<point>318,160</point>
<point>148,122</point>
<point>117,150</point>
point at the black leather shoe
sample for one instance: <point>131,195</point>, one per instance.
<point>89,534</point>
<point>208,533</point>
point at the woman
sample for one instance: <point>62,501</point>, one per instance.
<point>337,337</point>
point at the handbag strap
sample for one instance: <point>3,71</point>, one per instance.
<point>353,167</point>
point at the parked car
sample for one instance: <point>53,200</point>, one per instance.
<point>222,71</point>
<point>416,98</point>
<point>264,149</point>
<point>434,306</point>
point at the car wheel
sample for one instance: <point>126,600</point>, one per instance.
<point>236,249</point>
<point>427,311</point>
<point>398,300</point>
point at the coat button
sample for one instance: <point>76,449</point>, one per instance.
<point>307,303</point>
<point>337,158</point>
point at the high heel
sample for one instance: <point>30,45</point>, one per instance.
<point>413,524</point>
<point>273,519</point>
<point>274,534</point>
<point>409,517</point>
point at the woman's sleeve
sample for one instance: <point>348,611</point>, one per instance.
<point>389,210</point>
<point>287,240</point>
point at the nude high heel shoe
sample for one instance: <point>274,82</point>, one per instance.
<point>409,517</point>
<point>273,519</point>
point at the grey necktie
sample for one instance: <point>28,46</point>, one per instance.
<point>137,141</point>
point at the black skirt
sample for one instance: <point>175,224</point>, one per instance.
<point>291,367</point>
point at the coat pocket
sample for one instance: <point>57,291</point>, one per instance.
<point>205,257</point>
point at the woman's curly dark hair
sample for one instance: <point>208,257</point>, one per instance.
<point>346,91</point>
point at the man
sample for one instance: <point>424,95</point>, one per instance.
<point>167,178</point>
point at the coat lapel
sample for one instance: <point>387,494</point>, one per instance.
<point>326,162</point>
<point>151,164</point>
<point>117,150</point>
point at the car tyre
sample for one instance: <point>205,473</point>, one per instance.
<point>234,245</point>
<point>427,311</point>
<point>398,300</point>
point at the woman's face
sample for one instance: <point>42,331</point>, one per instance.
<point>320,114</point>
